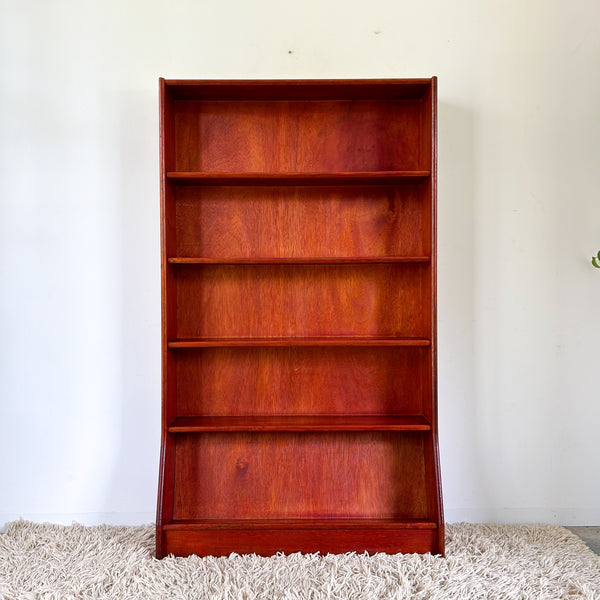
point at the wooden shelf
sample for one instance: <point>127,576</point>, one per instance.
<point>301,423</point>
<point>297,260</point>
<point>299,524</point>
<point>297,341</point>
<point>333,178</point>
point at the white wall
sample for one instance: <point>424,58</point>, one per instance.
<point>519,219</point>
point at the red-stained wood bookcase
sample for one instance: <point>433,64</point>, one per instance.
<point>298,317</point>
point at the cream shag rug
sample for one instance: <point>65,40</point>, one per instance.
<point>483,561</point>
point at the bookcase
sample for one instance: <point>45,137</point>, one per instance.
<point>299,396</point>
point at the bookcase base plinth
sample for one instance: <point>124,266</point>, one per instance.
<point>267,540</point>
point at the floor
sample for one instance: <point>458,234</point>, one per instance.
<point>590,535</point>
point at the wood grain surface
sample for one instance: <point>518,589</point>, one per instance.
<point>303,381</point>
<point>297,136</point>
<point>302,300</point>
<point>300,475</point>
<point>302,221</point>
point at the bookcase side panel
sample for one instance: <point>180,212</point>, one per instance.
<point>168,317</point>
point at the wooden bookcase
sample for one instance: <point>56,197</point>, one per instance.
<point>299,317</point>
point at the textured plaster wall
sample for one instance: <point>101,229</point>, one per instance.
<point>519,219</point>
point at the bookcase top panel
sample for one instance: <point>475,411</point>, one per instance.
<point>299,89</point>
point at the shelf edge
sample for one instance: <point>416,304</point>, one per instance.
<point>324,423</point>
<point>320,178</point>
<point>292,342</point>
<point>333,523</point>
<point>296,260</point>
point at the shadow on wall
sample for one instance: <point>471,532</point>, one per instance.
<point>467,480</point>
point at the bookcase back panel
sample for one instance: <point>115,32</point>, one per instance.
<point>300,475</point>
<point>298,136</point>
<point>303,381</point>
<point>303,300</point>
<point>302,221</point>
